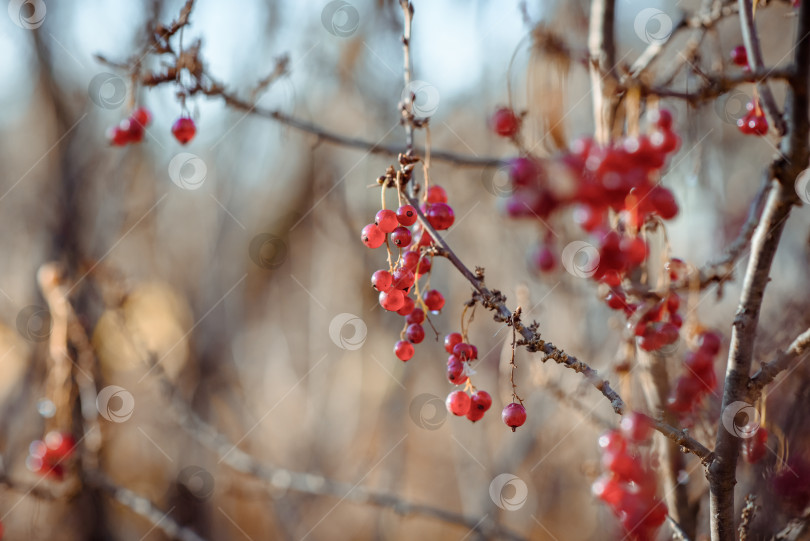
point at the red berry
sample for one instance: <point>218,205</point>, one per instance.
<point>661,118</point>
<point>392,300</point>
<point>505,122</point>
<point>381,280</point>
<point>615,299</point>
<point>415,333</point>
<point>423,266</point>
<point>372,236</point>
<point>673,303</point>
<point>637,427</point>
<point>665,141</point>
<point>663,202</point>
<point>434,300</point>
<point>410,259</point>
<point>710,343</point>
<point>458,403</point>
<point>118,137</point>
<point>455,371</point>
<point>417,316</point>
<point>613,441</point>
<point>406,215</point>
<point>634,250</point>
<point>440,216</point>
<point>142,116</point>
<point>184,129</point>
<point>451,340</point>
<point>386,220</point>
<point>403,350</point>
<point>473,352</point>
<point>436,194</point>
<point>514,415</point>
<point>524,171</point>
<point>608,489</point>
<point>698,361</point>
<point>755,447</point>
<point>475,414</point>
<point>60,445</point>
<point>403,279</point>
<point>408,307</point>
<point>401,236</point>
<point>462,351</point>
<point>739,56</point>
<point>481,400</point>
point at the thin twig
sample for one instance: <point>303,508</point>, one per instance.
<point>748,511</point>
<point>783,360</point>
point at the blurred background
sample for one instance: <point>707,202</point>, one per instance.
<point>250,286</point>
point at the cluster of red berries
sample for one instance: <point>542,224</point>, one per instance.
<point>699,378</point>
<point>629,485</point>
<point>47,457</point>
<point>132,129</point>
<point>473,406</point>
<point>414,261</point>
<point>754,121</point>
<point>622,176</point>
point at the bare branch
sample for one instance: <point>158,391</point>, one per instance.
<point>783,360</point>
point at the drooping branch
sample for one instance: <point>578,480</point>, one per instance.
<point>494,300</point>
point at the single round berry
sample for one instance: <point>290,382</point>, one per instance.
<point>458,403</point>
<point>60,445</point>
<point>481,400</point>
<point>408,307</point>
<point>505,123</point>
<point>401,236</point>
<point>663,202</point>
<point>184,129</point>
<point>613,441</point>
<point>514,415</point>
<point>424,265</point>
<point>463,351</point>
<point>661,118</point>
<point>381,280</point>
<point>415,333</point>
<point>410,259</point>
<point>392,300</point>
<point>739,56</point>
<point>455,371</point>
<point>433,299</point>
<point>634,250</point>
<point>451,340</point>
<point>403,350</point>
<point>417,316</point>
<point>615,299</point>
<point>473,352</point>
<point>755,447</point>
<point>386,220</point>
<point>710,343</point>
<point>406,215</point>
<point>372,236</point>
<point>403,279</point>
<point>544,259</point>
<point>436,194</point>
<point>440,216</point>
<point>474,414</point>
